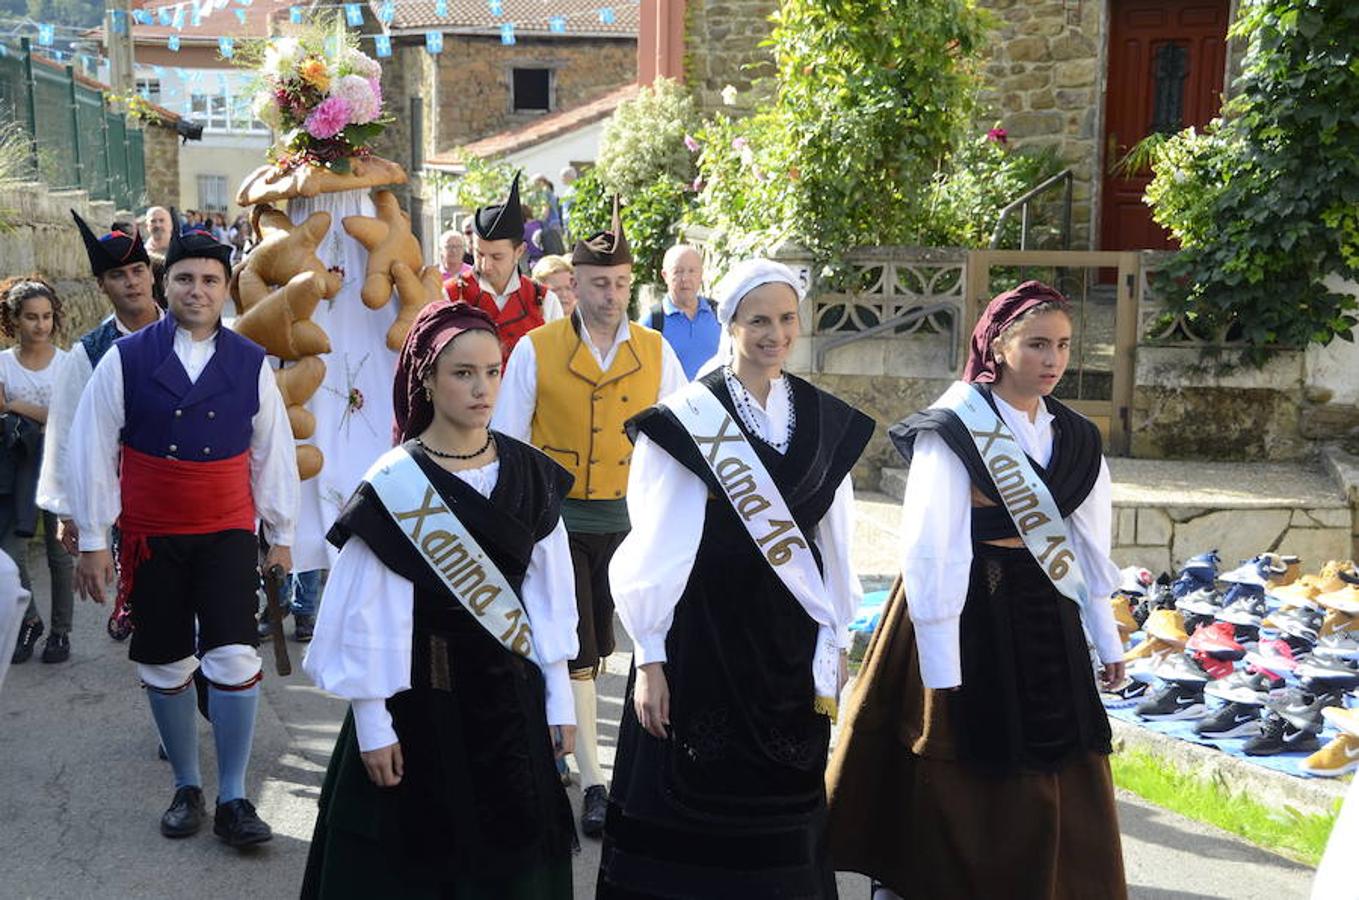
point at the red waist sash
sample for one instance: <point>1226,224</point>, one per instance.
<point>168,496</point>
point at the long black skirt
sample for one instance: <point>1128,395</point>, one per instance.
<point>480,811</point>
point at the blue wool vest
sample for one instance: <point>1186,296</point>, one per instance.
<point>165,414</point>
<point>99,339</point>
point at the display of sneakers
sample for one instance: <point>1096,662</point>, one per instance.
<point>1333,671</point>
<point>1345,600</point>
<point>1167,625</point>
<point>1174,701</point>
<point>1245,605</point>
<point>1303,709</point>
<point>1342,644</point>
<point>1255,572</point>
<point>1275,655</point>
<point>1284,569</point>
<point>1299,621</point>
<point>1277,735</point>
<point>1123,617</point>
<point>1338,757</point>
<point>1205,601</point>
<point>1217,640</point>
<point>1233,720</point>
<point>1181,668</point>
<point>1346,719</point>
<point>1245,687</point>
<point>1134,581</point>
<point>1305,589</point>
<point>1197,572</point>
<point>1159,596</point>
<point>1335,620</point>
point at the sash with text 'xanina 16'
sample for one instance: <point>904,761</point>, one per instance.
<point>761,508</point>
<point>1025,495</point>
<point>450,551</point>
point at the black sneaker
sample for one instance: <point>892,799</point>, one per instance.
<point>29,633</point>
<point>303,627</point>
<point>1278,736</point>
<point>1247,688</point>
<point>185,815</point>
<point>594,806</point>
<point>1234,720</point>
<point>1303,710</point>
<point>1174,701</point>
<point>1331,672</point>
<point>237,824</point>
<point>57,648</point>
<point>1247,609</point>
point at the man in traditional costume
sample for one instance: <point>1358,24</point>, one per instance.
<point>974,761</point>
<point>737,586</point>
<point>568,390</point>
<point>184,441</point>
<point>122,269</point>
<point>448,621</point>
<point>518,305</point>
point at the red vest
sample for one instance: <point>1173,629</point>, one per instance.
<point>523,310</point>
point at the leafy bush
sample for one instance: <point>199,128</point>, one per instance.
<point>643,142</point>
<point>1266,201</point>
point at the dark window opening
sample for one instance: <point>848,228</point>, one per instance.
<point>531,90</point>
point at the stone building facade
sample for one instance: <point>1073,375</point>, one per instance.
<point>161,149</point>
<point>722,46</point>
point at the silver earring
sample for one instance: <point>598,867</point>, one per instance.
<point>429,395</point>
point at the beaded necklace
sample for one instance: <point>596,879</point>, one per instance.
<point>744,403</point>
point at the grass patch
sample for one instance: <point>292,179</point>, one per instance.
<point>1288,832</point>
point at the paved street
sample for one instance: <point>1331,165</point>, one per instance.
<point>81,790</point>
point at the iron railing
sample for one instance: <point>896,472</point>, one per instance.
<point>1024,201</point>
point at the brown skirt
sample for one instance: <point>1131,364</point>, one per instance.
<point>905,811</point>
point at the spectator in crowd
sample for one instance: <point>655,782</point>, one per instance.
<point>158,227</point>
<point>469,225</point>
<point>567,177</point>
<point>31,311</point>
<point>533,240</point>
<point>453,255</point>
<point>552,234</point>
<point>237,235</point>
<point>558,275</point>
<point>687,321</point>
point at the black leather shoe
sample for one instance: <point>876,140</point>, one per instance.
<point>303,628</point>
<point>56,649</point>
<point>594,805</point>
<point>237,823</point>
<point>29,633</point>
<point>185,815</point>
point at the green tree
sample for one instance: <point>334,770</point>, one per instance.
<point>1266,202</point>
<point>643,141</point>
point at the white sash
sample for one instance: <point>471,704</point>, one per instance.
<point>765,515</point>
<point>1025,496</point>
<point>453,555</point>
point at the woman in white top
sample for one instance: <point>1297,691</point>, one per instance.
<point>975,758</point>
<point>30,311</point>
<point>719,783</point>
<point>443,781</point>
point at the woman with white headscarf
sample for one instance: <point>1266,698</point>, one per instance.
<point>736,586</point>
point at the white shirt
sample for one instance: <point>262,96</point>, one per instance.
<point>667,505</point>
<point>68,384</point>
<point>92,474</point>
<point>552,305</point>
<point>519,384</point>
<point>936,536</point>
<point>362,646</point>
<point>29,385</point>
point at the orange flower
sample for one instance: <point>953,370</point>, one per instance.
<point>313,72</point>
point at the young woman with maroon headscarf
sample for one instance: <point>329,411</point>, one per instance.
<point>447,622</point>
<point>974,758</point>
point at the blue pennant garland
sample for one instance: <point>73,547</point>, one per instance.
<point>496,7</point>
<point>295,15</point>
<point>557,25</point>
<point>441,8</point>
<point>606,16</point>
<point>387,12</point>
<point>434,41</point>
<point>382,45</point>
<point>226,46</point>
<point>353,14</point>
<point>507,33</point>
<point>173,43</point>
<point>46,34</point>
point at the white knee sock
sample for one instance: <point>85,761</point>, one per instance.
<point>587,734</point>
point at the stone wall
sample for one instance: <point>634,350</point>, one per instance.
<point>161,150</point>
<point>722,46</point>
<point>474,79</point>
<point>44,239</point>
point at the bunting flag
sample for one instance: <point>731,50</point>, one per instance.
<point>441,8</point>
<point>46,34</point>
<point>496,7</point>
<point>507,33</point>
<point>163,15</point>
<point>240,16</point>
<point>557,25</point>
<point>383,45</point>
<point>295,15</point>
<point>434,41</point>
<point>173,43</point>
<point>141,17</point>
<point>387,12</point>
<point>353,14</point>
<point>606,16</point>
<point>195,17</point>
<point>226,46</point>
<point>177,23</point>
<point>118,21</point>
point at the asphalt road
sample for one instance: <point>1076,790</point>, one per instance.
<point>81,793</point>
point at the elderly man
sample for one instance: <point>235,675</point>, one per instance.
<point>687,321</point>
<point>568,389</point>
<point>158,229</point>
<point>453,250</point>
<point>184,442</point>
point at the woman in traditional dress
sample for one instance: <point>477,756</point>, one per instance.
<point>447,623</point>
<point>736,586</point>
<point>974,759</point>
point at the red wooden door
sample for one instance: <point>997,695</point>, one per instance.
<point>1167,61</point>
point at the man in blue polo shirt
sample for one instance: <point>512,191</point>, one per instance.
<point>684,318</point>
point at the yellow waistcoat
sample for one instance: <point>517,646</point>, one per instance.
<point>579,415</point>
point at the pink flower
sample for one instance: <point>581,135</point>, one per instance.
<point>358,94</point>
<point>692,144</point>
<point>328,119</point>
<point>697,186</point>
<point>376,85</point>
<point>738,144</point>
<point>999,135</point>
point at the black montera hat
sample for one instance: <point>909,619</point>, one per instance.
<point>196,244</point>
<point>502,221</point>
<point>604,248</point>
<point>112,251</point>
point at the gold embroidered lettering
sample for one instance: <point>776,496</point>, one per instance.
<point>482,597</point>
<point>752,506</point>
<point>424,511</point>
<point>1000,434</point>
<point>716,441</point>
<point>437,541</point>
<point>1029,521</point>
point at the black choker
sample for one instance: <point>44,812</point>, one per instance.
<point>442,455</point>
